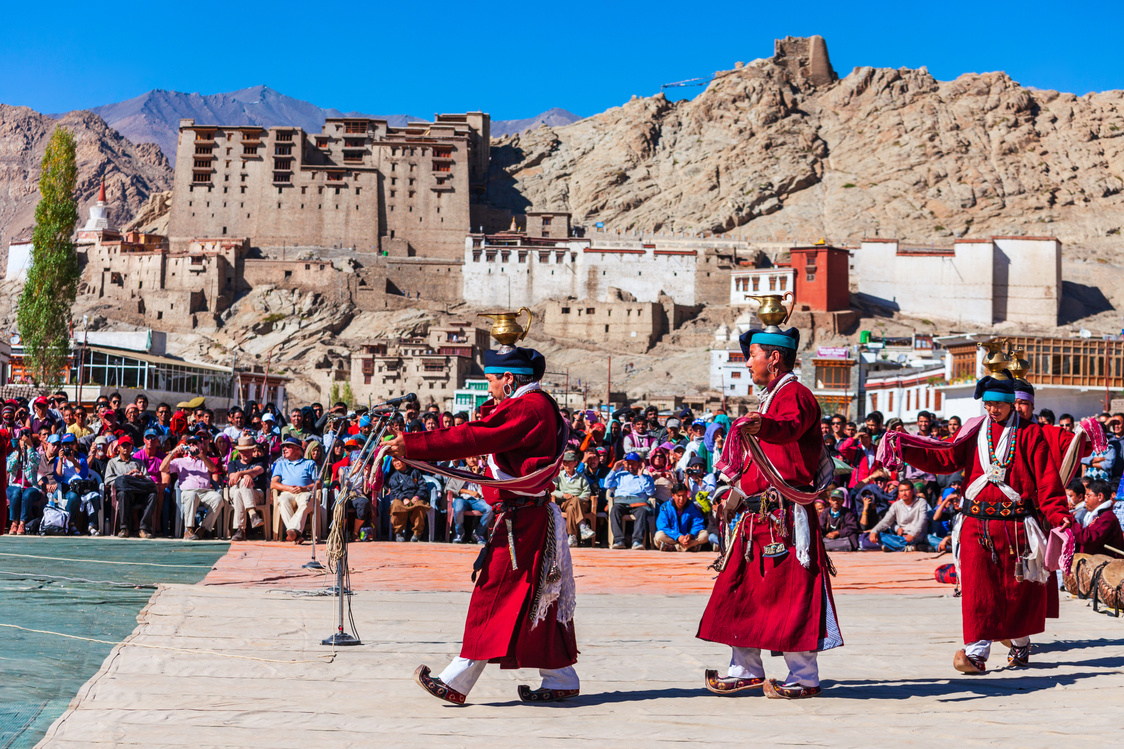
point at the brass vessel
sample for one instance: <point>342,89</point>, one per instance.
<point>996,360</point>
<point>1019,366</point>
<point>772,310</point>
<point>506,329</point>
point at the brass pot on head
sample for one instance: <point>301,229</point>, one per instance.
<point>995,361</point>
<point>1018,366</point>
<point>772,310</point>
<point>506,329</point>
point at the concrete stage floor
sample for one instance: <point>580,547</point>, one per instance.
<point>641,666</point>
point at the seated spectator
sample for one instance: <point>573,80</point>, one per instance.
<point>673,432</point>
<point>163,422</point>
<point>407,491</point>
<point>696,478</point>
<point>905,524</point>
<point>839,524</point>
<point>78,426</point>
<point>25,499</point>
<point>859,453</point>
<point>468,496</point>
<point>1099,529</point>
<point>193,469</point>
<point>944,515</point>
<point>133,488</point>
<point>632,492</point>
<point>236,420</point>
<point>246,476</point>
<point>133,425</point>
<point>572,493</point>
<point>639,441</point>
<point>1075,497</point>
<point>296,426</point>
<point>72,475</point>
<point>294,478</point>
<point>680,525</point>
<point>99,456</point>
<point>663,477</point>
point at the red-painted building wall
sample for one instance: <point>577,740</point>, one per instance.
<point>822,279</point>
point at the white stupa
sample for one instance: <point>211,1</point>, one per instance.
<point>99,213</point>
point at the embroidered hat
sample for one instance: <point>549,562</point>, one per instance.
<point>991,389</point>
<point>789,339</point>
<point>519,361</point>
<point>1024,391</point>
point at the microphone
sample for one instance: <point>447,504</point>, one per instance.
<point>396,401</point>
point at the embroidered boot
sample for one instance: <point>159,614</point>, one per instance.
<point>545,695</point>
<point>436,687</point>
<point>968,664</point>
<point>775,690</point>
<point>728,686</point>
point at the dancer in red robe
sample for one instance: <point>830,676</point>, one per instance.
<point>521,611</point>
<point>1066,451</point>
<point>1011,480</point>
<point>773,591</point>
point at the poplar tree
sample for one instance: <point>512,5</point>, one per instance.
<point>52,280</point>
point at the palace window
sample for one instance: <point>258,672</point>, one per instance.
<point>285,135</point>
<point>355,128</point>
<point>282,150</point>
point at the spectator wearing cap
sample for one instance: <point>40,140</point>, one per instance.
<point>294,478</point>
<point>246,477</point>
<point>99,455</point>
<point>673,432</point>
<point>595,467</point>
<point>270,435</point>
<point>25,499</point>
<point>680,525</point>
<point>70,469</point>
<point>572,493</point>
<point>839,524</point>
<point>696,478</point>
<point>134,487</point>
<point>43,416</point>
<point>133,425</point>
<point>193,469</point>
<point>631,493</point>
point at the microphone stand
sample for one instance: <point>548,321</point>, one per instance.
<point>347,488</point>
<point>313,564</point>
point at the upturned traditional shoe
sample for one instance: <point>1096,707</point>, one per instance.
<point>728,686</point>
<point>775,690</point>
<point>1018,657</point>
<point>545,695</point>
<point>968,664</point>
<point>436,687</point>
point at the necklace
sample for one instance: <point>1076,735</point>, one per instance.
<point>998,470</point>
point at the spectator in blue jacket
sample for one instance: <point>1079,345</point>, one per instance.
<point>72,474</point>
<point>680,525</point>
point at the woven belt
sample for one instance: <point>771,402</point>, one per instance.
<point>1005,509</point>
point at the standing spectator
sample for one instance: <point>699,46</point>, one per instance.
<point>859,453</point>
<point>193,468</point>
<point>905,525</point>
<point>141,402</point>
<point>296,426</point>
<point>25,499</point>
<point>132,486</point>
<point>43,416</point>
<point>115,405</point>
<point>839,524</point>
<point>133,425</point>
<point>680,525</point>
<point>638,440</point>
<point>1065,421</point>
<point>79,428</point>
<point>237,422</point>
<point>406,490</point>
<point>206,418</point>
<point>632,491</point>
<point>163,421</point>
<point>246,477</point>
<point>572,493</point>
<point>295,478</point>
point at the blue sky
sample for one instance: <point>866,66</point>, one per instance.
<point>517,59</point>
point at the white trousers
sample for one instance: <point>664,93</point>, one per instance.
<point>295,507</point>
<point>189,501</point>
<point>244,500</point>
<point>982,648</point>
<point>462,673</point>
<point>745,663</point>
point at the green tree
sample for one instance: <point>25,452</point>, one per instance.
<point>347,396</point>
<point>52,281</point>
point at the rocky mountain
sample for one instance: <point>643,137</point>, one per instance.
<point>154,117</point>
<point>553,117</point>
<point>131,172</point>
<point>780,150</point>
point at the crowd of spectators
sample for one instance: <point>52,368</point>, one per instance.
<point>640,480</point>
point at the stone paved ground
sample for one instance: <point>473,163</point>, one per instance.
<point>641,667</point>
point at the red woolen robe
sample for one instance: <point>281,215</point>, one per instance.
<point>777,604</point>
<point>1058,440</point>
<point>522,435</point>
<point>994,605</point>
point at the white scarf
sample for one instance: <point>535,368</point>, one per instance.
<point>1091,515</point>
